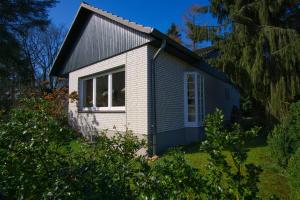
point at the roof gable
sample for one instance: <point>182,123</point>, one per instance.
<point>95,36</point>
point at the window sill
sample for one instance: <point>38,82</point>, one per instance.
<point>187,125</point>
<point>101,111</point>
<point>194,126</point>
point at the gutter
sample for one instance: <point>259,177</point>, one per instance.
<point>152,139</point>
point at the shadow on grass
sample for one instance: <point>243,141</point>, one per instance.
<point>258,141</point>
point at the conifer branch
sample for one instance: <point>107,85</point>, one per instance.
<point>285,47</point>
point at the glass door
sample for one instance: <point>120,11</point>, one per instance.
<point>191,99</point>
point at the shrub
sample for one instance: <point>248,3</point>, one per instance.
<point>293,171</point>
<point>170,177</point>
<point>104,169</point>
<point>41,160</point>
<point>37,161</point>
<point>285,137</point>
<point>241,181</point>
<point>57,102</point>
<point>29,150</point>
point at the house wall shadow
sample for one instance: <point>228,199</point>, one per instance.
<point>83,124</point>
<point>89,124</point>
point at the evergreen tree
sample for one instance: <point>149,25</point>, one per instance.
<point>174,33</point>
<point>16,18</point>
<point>196,30</point>
<point>261,53</point>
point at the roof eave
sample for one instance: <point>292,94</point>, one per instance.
<point>118,19</point>
<point>159,35</point>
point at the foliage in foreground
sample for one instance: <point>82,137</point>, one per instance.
<point>31,162</point>
<point>293,172</point>
<point>38,162</point>
<point>285,138</point>
<point>43,158</point>
<point>241,181</point>
<point>284,142</point>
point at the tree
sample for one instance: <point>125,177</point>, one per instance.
<point>196,30</point>
<point>40,47</point>
<point>284,140</point>
<point>174,33</point>
<point>15,19</point>
<point>241,181</point>
<point>261,53</point>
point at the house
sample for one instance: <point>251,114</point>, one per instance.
<point>129,76</point>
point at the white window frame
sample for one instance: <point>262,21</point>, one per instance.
<point>94,77</point>
<point>199,99</point>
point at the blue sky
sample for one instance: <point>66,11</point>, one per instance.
<point>155,13</point>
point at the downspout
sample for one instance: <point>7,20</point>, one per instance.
<point>153,99</point>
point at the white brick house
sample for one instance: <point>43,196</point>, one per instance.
<point>133,77</point>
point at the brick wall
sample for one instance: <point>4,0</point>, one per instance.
<point>135,117</point>
<point>170,92</point>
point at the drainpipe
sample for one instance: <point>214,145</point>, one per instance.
<point>153,100</point>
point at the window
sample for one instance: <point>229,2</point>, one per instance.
<point>193,99</point>
<point>118,89</point>
<point>88,93</point>
<point>103,92</point>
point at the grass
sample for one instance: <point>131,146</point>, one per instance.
<point>272,179</point>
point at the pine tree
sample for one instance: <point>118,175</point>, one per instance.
<point>174,33</point>
<point>16,18</point>
<point>196,30</point>
<point>261,53</point>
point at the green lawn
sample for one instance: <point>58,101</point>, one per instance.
<point>272,180</point>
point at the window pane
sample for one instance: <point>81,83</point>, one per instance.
<point>118,89</point>
<point>191,98</point>
<point>102,91</point>
<point>88,93</point>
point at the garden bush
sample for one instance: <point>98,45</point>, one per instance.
<point>293,171</point>
<point>285,137</point>
<point>43,158</point>
<point>225,181</point>
<point>30,139</point>
<point>37,160</point>
<point>170,177</point>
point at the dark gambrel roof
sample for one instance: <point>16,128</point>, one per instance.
<point>172,47</point>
